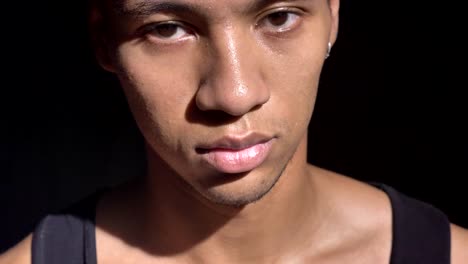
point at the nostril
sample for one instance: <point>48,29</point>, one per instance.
<point>201,105</point>
<point>210,117</point>
<point>255,108</point>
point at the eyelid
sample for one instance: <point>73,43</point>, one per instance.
<point>282,9</point>
<point>286,9</point>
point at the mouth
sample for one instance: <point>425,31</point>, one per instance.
<point>233,154</point>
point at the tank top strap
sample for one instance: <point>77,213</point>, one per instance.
<point>67,237</point>
<point>421,232</point>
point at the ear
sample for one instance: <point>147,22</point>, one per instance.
<point>334,6</point>
<point>100,39</point>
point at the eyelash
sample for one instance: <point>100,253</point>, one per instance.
<point>150,29</point>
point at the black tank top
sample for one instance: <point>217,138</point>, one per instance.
<point>421,234</point>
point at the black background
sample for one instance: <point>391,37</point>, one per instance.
<point>391,108</point>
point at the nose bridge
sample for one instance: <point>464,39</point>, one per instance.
<point>234,83</point>
<point>231,60</point>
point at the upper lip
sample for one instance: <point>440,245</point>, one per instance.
<point>234,142</point>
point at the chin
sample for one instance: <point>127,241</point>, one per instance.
<point>243,189</point>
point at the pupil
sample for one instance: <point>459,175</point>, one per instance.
<point>166,30</point>
<point>278,19</point>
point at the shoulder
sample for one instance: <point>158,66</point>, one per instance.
<point>19,254</point>
<point>459,244</point>
<point>363,212</point>
<point>354,196</point>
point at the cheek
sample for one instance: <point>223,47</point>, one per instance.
<point>153,116</point>
<point>163,79</point>
<point>158,92</point>
<point>294,82</point>
<point>298,63</point>
<point>295,85</point>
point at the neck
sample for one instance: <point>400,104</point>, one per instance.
<point>181,223</point>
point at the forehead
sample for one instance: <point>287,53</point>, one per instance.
<point>145,7</point>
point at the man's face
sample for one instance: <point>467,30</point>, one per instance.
<point>222,90</point>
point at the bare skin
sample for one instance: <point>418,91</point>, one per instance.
<point>206,76</point>
<point>371,250</point>
<point>268,231</point>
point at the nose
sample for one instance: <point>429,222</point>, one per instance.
<point>234,82</point>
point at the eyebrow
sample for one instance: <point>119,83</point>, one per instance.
<point>149,7</point>
<point>259,4</point>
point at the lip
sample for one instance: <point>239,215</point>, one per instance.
<point>236,154</point>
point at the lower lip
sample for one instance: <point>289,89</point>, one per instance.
<point>238,160</point>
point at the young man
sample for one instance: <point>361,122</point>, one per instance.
<point>223,92</point>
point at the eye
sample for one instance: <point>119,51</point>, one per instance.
<point>168,31</point>
<point>280,21</point>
